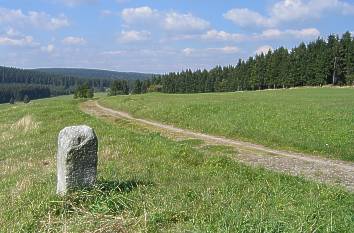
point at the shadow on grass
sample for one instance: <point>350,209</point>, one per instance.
<point>106,197</point>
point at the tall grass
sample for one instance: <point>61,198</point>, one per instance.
<point>148,183</point>
<point>312,120</point>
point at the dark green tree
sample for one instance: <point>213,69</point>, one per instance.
<point>119,87</point>
<point>83,91</point>
<point>12,100</point>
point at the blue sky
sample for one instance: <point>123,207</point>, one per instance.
<point>159,36</point>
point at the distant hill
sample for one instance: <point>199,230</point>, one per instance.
<point>95,73</point>
<point>42,83</point>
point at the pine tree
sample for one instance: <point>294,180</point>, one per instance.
<point>347,53</point>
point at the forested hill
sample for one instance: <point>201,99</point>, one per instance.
<point>96,73</point>
<point>17,83</point>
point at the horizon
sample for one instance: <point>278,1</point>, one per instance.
<point>159,37</point>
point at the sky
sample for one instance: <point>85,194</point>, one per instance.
<point>160,36</point>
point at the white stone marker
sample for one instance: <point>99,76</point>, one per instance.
<point>76,158</point>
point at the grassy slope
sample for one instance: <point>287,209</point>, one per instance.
<point>149,183</point>
<point>318,121</point>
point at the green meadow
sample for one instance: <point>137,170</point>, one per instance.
<point>318,121</point>
<point>149,183</point>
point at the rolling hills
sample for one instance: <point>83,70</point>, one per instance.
<point>16,82</point>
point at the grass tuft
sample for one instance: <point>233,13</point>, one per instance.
<point>25,124</point>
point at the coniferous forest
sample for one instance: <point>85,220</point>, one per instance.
<point>16,83</point>
<point>317,63</point>
<point>19,91</point>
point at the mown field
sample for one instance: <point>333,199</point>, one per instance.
<point>319,121</point>
<point>148,183</point>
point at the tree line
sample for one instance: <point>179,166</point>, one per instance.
<point>19,92</point>
<point>317,63</point>
<point>124,87</point>
<point>26,76</point>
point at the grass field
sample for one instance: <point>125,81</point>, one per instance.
<point>148,183</point>
<point>312,120</point>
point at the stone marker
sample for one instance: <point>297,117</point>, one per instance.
<point>76,158</point>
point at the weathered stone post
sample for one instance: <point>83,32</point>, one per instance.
<point>76,158</point>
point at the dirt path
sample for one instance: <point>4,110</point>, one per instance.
<point>311,167</point>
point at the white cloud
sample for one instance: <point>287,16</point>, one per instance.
<point>184,22</point>
<point>263,49</point>
<point>37,19</point>
<point>134,36</point>
<point>12,37</point>
<point>307,33</point>
<point>12,32</point>
<point>188,51</point>
<point>43,20</point>
<point>214,35</point>
<point>288,10</point>
<point>271,33</point>
<point>170,21</point>
<point>19,41</point>
<point>48,49</point>
<point>8,15</point>
<point>139,15</point>
<point>71,40</point>
<point>222,36</point>
<point>245,17</point>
